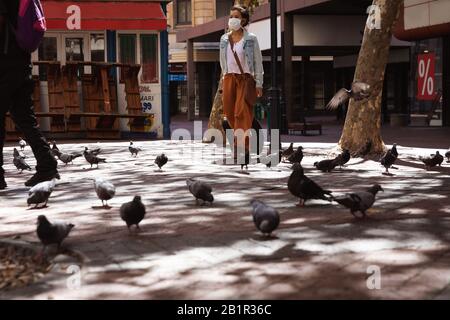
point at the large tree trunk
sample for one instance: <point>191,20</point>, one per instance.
<point>363,121</point>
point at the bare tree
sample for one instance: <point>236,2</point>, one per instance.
<point>363,121</point>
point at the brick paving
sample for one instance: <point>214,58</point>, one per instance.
<point>187,251</point>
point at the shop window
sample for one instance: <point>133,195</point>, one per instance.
<point>48,51</point>
<point>97,47</point>
<point>74,48</point>
<point>184,12</point>
<point>223,8</point>
<point>127,51</point>
<point>149,58</point>
<point>318,82</point>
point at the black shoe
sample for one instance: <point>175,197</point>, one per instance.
<point>39,177</point>
<point>3,184</point>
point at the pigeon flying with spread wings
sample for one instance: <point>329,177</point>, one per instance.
<point>266,218</point>
<point>304,188</point>
<point>359,201</point>
<point>52,233</point>
<point>358,91</point>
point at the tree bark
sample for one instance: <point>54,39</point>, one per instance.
<point>363,121</point>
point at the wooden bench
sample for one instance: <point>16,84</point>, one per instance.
<point>304,127</point>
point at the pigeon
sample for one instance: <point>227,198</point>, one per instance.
<point>304,188</point>
<point>200,190</point>
<point>358,91</point>
<point>297,156</point>
<point>40,193</point>
<point>359,201</point>
<point>19,162</point>
<point>343,158</point>
<point>133,212</point>
<point>54,149</point>
<point>52,233</point>
<point>105,190</point>
<point>161,160</point>
<point>133,150</point>
<point>389,158</point>
<point>271,158</point>
<point>447,155</point>
<point>326,165</point>
<point>433,160</point>
<point>286,153</point>
<point>66,157</point>
<point>266,218</point>
<point>91,157</point>
<point>22,143</point>
<point>19,154</point>
<point>95,152</point>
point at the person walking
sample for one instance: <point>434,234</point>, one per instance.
<point>242,70</point>
<point>16,88</point>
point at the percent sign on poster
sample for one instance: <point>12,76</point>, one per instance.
<point>425,80</point>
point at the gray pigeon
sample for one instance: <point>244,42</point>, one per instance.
<point>266,218</point>
<point>22,143</point>
<point>433,160</point>
<point>19,154</point>
<point>105,190</point>
<point>133,212</point>
<point>326,165</point>
<point>200,190</point>
<point>66,157</point>
<point>40,193</point>
<point>359,201</point>
<point>91,157</point>
<point>134,150</point>
<point>20,162</point>
<point>161,160</point>
<point>52,233</point>
<point>286,153</point>
<point>358,91</point>
<point>54,150</point>
<point>297,156</point>
<point>304,188</point>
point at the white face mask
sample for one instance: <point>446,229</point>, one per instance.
<point>234,24</point>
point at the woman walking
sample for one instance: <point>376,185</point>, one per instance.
<point>242,69</point>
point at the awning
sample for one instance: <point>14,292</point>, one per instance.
<point>71,15</point>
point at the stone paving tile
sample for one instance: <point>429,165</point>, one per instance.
<point>214,252</point>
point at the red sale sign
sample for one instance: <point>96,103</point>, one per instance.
<point>425,79</point>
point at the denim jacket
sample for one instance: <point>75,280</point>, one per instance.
<point>253,56</point>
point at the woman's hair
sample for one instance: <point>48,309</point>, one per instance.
<point>244,13</point>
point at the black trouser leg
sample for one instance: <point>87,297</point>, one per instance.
<point>255,125</point>
<point>23,115</point>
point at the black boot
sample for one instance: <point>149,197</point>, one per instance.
<point>39,177</point>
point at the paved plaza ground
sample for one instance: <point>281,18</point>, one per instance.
<point>185,251</point>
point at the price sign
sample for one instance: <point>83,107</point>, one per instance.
<point>425,79</point>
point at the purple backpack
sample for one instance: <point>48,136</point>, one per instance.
<point>31,25</point>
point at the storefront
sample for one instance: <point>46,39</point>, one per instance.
<point>115,33</point>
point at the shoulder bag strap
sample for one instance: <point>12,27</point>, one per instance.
<point>235,54</point>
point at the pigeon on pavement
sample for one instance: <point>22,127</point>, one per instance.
<point>389,158</point>
<point>40,193</point>
<point>297,156</point>
<point>286,153</point>
<point>304,188</point>
<point>134,150</point>
<point>22,143</point>
<point>200,190</point>
<point>133,212</point>
<point>358,91</point>
<point>91,157</point>
<point>19,154</point>
<point>433,160</point>
<point>343,158</point>
<point>66,157</point>
<point>161,160</point>
<point>266,218</point>
<point>447,155</point>
<point>326,165</point>
<point>359,201</point>
<point>54,150</point>
<point>52,233</point>
<point>105,190</point>
<point>20,163</point>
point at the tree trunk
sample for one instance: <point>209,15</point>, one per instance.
<point>363,121</point>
